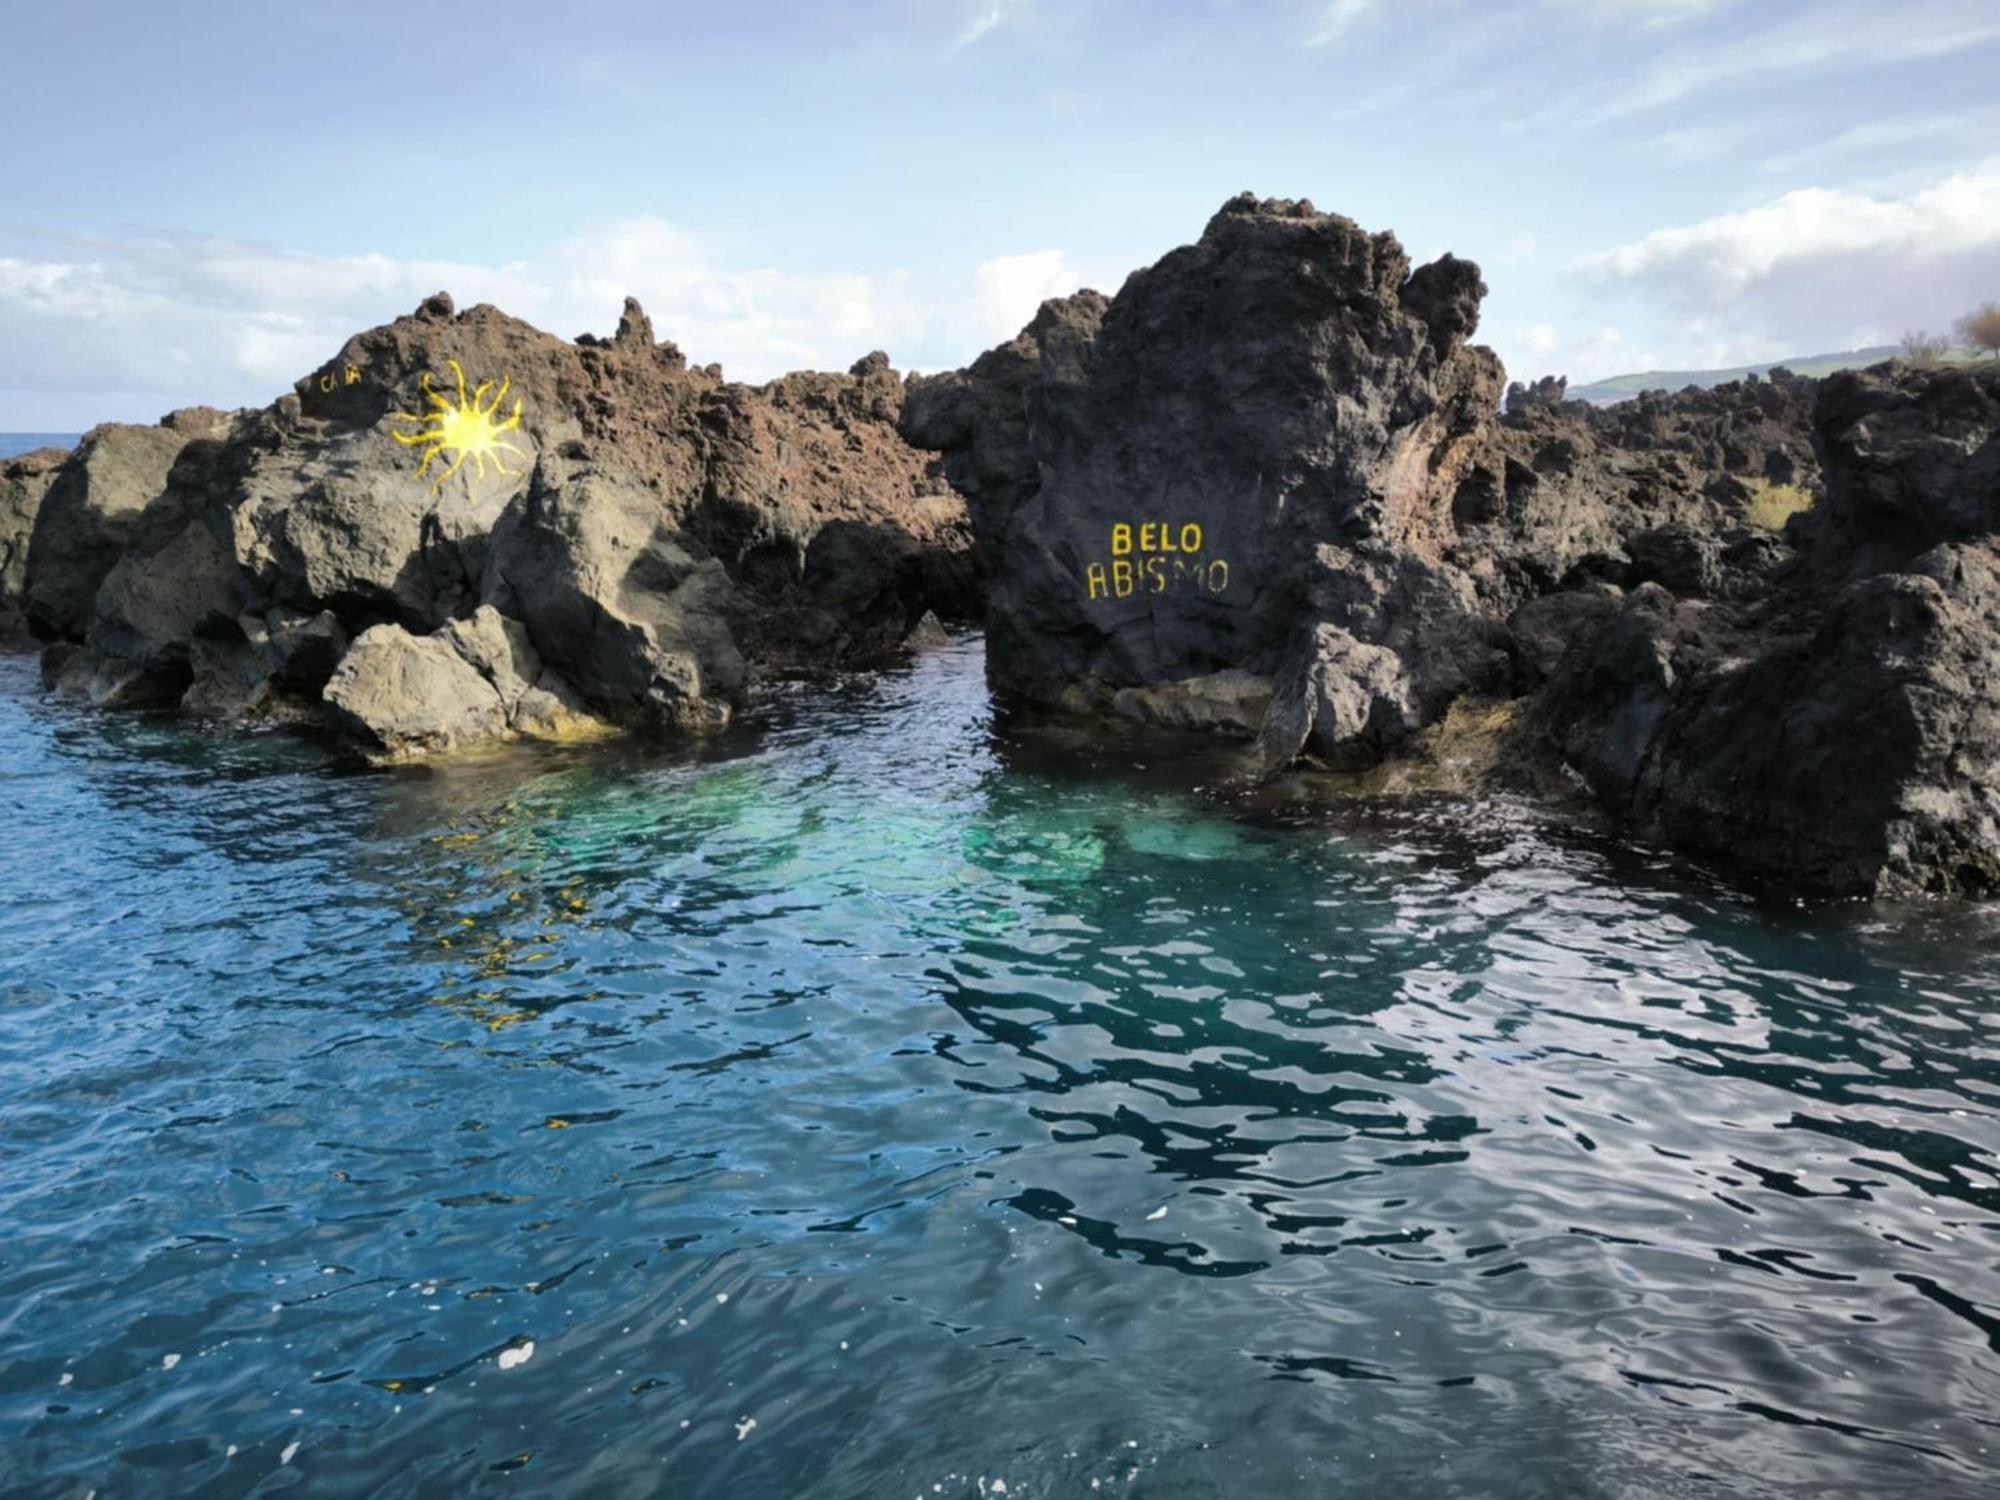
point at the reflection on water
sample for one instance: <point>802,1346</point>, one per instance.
<point>867,1104</point>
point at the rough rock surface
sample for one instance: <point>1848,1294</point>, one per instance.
<point>1267,491</point>
<point>1548,391</point>
<point>1243,446</point>
<point>24,484</point>
<point>658,535</point>
<point>472,681</point>
<point>96,507</point>
<point>1272,469</point>
<point>1840,726</point>
<point>1572,493</point>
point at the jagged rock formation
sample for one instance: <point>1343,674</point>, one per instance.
<point>1840,722</point>
<point>1260,436</point>
<point>1548,391</point>
<point>1267,490</point>
<point>94,509</point>
<point>648,536</point>
<point>1660,488</point>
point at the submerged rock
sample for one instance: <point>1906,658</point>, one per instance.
<point>1227,702</point>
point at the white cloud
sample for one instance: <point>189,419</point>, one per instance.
<point>1649,13</point>
<point>1821,268</point>
<point>1821,40</point>
<point>1583,354</point>
<point>1335,19</point>
<point>1730,252</point>
<point>1893,135</point>
<point>181,319</point>
<point>1010,287</point>
<point>986,16</point>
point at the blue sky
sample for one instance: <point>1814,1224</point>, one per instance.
<point>202,200</point>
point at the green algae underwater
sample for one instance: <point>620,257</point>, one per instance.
<point>871,1102</point>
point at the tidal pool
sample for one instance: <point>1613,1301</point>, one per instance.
<point>869,1104</point>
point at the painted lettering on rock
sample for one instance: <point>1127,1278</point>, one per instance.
<point>1155,557</point>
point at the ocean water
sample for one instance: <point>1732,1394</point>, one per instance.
<point>870,1103</point>
<point>12,443</point>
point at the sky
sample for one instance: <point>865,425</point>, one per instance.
<point>199,202</point>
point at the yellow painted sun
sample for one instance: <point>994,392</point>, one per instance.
<point>469,428</point>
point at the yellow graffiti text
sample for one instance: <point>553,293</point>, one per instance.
<point>1155,536</point>
<point>1155,557</point>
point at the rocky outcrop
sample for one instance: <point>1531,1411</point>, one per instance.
<point>1661,487</point>
<point>94,509</point>
<point>473,681</point>
<point>24,484</point>
<point>1245,459</point>
<point>1267,490</point>
<point>981,418</point>
<point>1548,391</point>
<point>1840,726</point>
<point>657,537</point>
<point>270,666</point>
<point>1911,461</point>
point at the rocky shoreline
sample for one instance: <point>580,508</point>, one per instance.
<point>1267,490</point>
<point>462,529</point>
<point>1760,621</point>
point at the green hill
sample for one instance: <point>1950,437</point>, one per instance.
<point>1623,387</point>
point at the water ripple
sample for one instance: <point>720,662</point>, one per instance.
<point>873,1102</point>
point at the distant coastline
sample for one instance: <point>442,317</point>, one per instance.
<point>1618,388</point>
<point>14,443</point>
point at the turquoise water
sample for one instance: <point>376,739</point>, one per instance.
<point>866,1106</point>
<point>12,443</point>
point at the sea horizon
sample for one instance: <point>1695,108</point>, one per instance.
<point>14,444</point>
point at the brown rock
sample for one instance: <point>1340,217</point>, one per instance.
<point>24,483</point>
<point>661,536</point>
<point>397,697</point>
<point>90,513</point>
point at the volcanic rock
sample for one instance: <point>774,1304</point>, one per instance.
<point>93,510</point>
<point>660,536</point>
<point>24,483</point>
<point>1261,433</point>
<point>1265,491</point>
<point>980,417</point>
<point>1548,391</point>
<point>1271,471</point>
<point>472,681</point>
<point>927,633</point>
<point>268,666</point>
<point>1570,494</point>
<point>1230,702</point>
<point>1911,459</point>
<point>1842,729</point>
